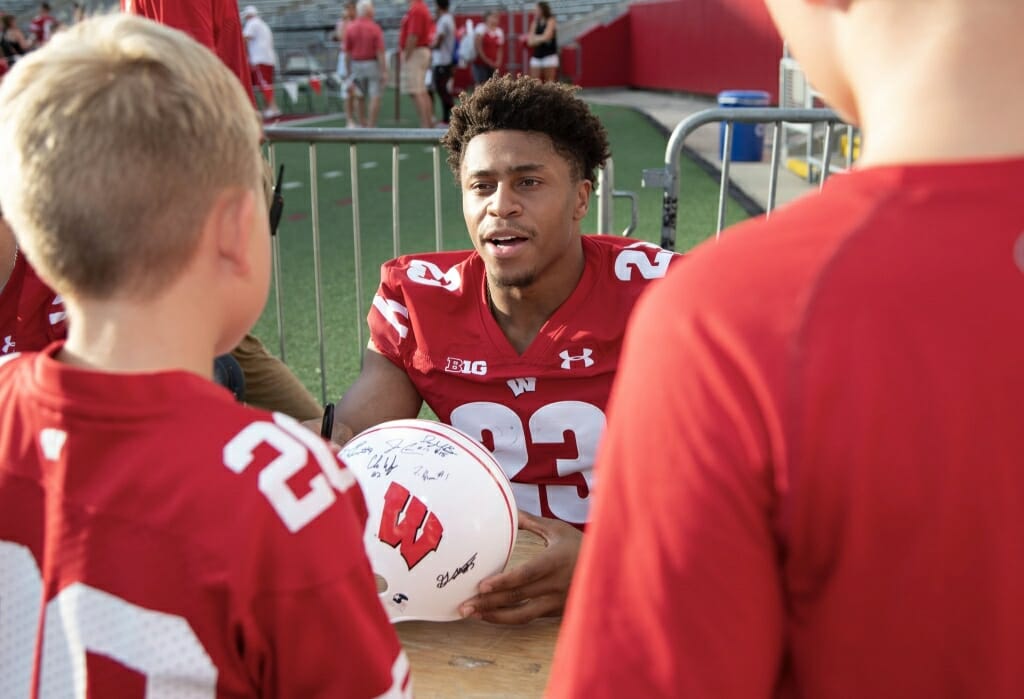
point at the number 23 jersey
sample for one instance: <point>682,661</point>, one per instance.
<point>541,412</point>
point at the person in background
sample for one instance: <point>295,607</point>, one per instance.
<point>150,539</point>
<point>13,43</point>
<point>262,58</point>
<point>213,23</point>
<point>43,26</point>
<point>348,13</point>
<point>414,40</point>
<point>368,68</point>
<point>490,46</point>
<point>444,49</point>
<point>812,483</point>
<point>543,39</point>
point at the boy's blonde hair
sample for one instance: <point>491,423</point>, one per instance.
<point>115,138</point>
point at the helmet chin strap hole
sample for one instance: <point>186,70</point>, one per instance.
<point>382,584</point>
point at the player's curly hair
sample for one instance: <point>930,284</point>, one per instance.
<point>522,103</point>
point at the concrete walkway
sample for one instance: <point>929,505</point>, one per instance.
<point>668,109</point>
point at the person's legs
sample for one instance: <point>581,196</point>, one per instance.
<point>419,64</point>
<point>270,385</point>
<point>373,95</point>
<point>549,74</point>
<point>480,73</point>
<point>442,74</point>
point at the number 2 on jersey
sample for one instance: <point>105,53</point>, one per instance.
<point>547,425</point>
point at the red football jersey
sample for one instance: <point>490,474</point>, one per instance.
<point>42,28</point>
<point>542,412</point>
<point>31,314</point>
<point>213,23</point>
<point>159,539</point>
<point>813,479</point>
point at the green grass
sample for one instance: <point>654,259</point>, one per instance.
<point>636,145</point>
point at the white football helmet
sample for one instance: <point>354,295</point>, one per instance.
<point>442,516</point>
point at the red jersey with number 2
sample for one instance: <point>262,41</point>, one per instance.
<point>541,412</point>
<point>158,539</point>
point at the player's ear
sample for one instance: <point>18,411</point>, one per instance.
<point>583,191</point>
<point>231,225</point>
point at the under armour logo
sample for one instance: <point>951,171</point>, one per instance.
<point>8,344</point>
<point>568,359</point>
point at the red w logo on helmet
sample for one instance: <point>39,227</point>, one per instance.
<point>400,532</point>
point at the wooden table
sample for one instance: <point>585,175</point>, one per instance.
<point>470,658</point>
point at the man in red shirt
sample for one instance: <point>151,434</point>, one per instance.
<point>414,39</point>
<point>813,479</point>
<point>366,64</point>
<point>213,23</point>
<point>157,537</point>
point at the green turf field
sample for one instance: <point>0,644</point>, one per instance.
<point>636,144</point>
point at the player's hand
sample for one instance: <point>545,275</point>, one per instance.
<point>537,588</point>
<point>341,434</point>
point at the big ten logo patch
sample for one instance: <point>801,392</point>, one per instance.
<point>454,365</point>
<point>406,524</point>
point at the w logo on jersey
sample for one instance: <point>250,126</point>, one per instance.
<point>521,386</point>
<point>400,531</point>
<point>424,272</point>
<point>584,356</point>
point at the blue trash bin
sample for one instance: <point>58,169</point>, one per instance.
<point>747,139</point>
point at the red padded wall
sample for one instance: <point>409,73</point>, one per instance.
<point>701,46</point>
<point>605,54</point>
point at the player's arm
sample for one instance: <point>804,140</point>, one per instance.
<point>383,391</point>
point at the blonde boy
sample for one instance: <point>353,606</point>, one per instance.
<point>193,544</point>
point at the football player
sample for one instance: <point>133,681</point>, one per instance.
<point>813,478</point>
<point>157,537</point>
<point>517,340</point>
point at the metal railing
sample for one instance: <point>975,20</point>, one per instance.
<point>667,178</point>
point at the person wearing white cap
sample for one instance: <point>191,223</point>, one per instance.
<point>260,44</point>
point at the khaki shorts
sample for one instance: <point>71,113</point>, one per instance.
<point>414,71</point>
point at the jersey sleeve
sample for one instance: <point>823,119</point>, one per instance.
<point>698,608</point>
<point>391,332</point>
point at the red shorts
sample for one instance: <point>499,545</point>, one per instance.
<point>262,75</point>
